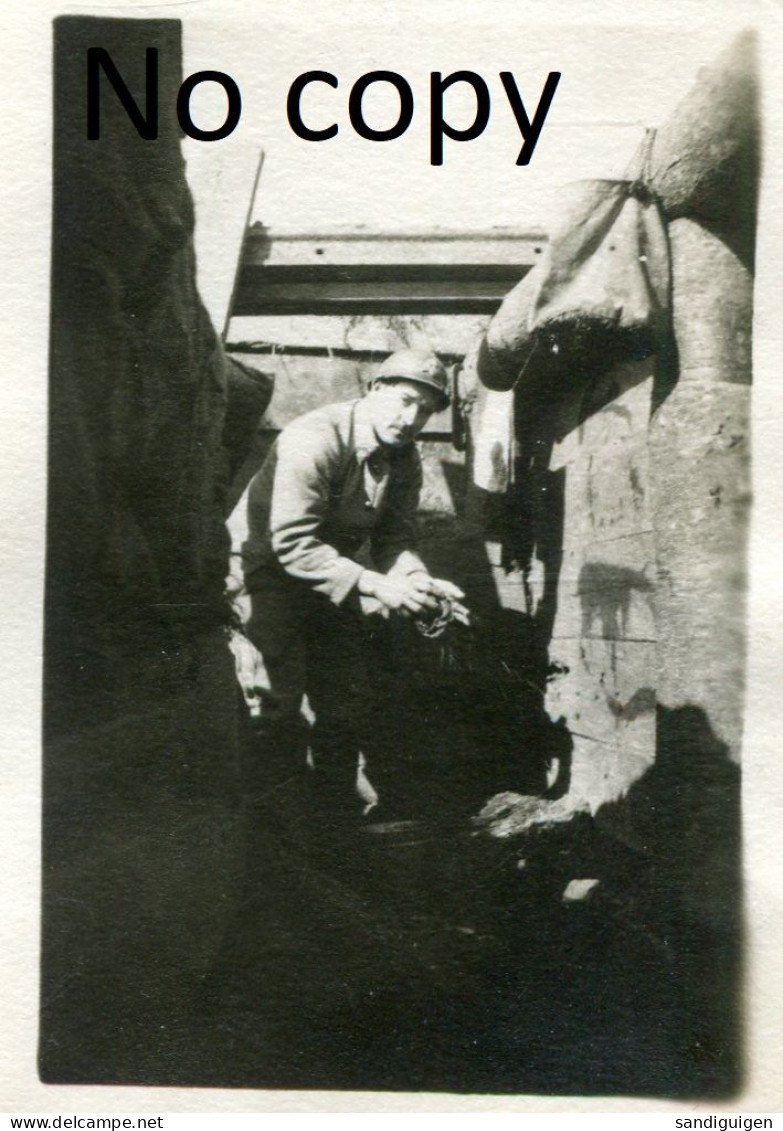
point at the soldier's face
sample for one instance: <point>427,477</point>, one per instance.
<point>400,409</point>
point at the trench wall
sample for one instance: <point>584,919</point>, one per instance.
<point>142,837</point>
<point>603,649</point>
<point>645,521</point>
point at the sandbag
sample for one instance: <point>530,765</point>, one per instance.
<point>508,342</point>
<point>704,164</point>
<point>600,292</point>
<point>606,267</point>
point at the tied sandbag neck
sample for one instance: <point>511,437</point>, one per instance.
<point>586,313</point>
<point>639,172</point>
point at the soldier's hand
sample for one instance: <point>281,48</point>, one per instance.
<point>453,594</point>
<point>406,594</point>
<point>444,588</point>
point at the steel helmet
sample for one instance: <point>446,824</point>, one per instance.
<point>419,365</point>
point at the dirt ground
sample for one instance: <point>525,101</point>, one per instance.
<point>421,952</point>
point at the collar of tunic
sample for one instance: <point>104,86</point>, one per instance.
<point>371,454</point>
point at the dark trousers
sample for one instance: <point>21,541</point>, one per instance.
<point>313,648</point>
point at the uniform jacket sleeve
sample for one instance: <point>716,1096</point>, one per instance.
<point>306,463</point>
<point>394,539</point>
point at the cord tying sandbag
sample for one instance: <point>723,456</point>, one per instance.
<point>600,292</point>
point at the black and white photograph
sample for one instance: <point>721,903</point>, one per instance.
<point>399,504</point>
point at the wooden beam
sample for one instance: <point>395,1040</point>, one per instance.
<point>404,298</point>
<point>270,349</point>
<point>264,247</point>
<point>462,289</point>
<point>356,272</point>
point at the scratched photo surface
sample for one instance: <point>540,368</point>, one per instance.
<point>396,554</point>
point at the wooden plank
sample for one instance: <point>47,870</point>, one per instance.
<point>444,333</point>
<point>621,675</point>
<point>603,770</point>
<point>607,493</point>
<point>264,247</point>
<point>606,590</point>
<point>374,356</point>
<point>605,691</point>
<point>436,295</point>
<point>363,272</point>
<point>628,392</point>
<point>324,274</point>
<point>378,306</point>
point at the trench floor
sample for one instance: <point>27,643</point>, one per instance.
<point>420,954</point>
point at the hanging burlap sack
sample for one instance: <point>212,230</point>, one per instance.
<point>508,341</point>
<point>600,292</point>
